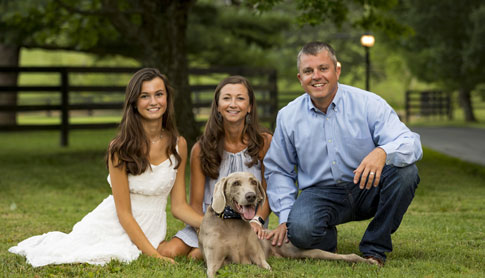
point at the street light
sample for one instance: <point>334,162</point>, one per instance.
<point>367,42</point>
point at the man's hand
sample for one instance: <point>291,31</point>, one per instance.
<point>370,167</point>
<point>279,235</point>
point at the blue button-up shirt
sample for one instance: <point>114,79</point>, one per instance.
<point>311,147</point>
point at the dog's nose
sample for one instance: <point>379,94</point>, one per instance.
<point>250,196</point>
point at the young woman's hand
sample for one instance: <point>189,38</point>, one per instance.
<point>258,229</point>
<point>167,259</point>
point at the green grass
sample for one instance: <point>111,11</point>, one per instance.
<point>45,187</point>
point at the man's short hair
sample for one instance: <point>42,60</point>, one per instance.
<point>313,48</point>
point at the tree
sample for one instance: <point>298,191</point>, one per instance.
<point>447,45</point>
<point>153,32</point>
<point>165,33</point>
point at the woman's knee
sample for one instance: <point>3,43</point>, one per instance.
<point>173,248</point>
<point>195,254</point>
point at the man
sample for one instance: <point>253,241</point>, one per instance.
<point>349,153</point>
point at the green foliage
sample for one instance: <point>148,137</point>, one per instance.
<point>230,36</point>
<point>45,187</point>
<point>474,49</point>
<point>446,45</point>
<point>366,15</point>
<point>217,35</point>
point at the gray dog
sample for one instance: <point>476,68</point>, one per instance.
<point>232,240</point>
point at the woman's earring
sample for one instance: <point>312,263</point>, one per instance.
<point>219,116</point>
<point>248,118</point>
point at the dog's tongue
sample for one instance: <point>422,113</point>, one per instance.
<point>248,212</point>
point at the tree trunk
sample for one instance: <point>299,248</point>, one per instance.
<point>464,97</point>
<point>9,56</point>
<point>177,67</point>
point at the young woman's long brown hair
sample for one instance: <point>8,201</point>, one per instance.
<point>212,140</point>
<point>131,145</point>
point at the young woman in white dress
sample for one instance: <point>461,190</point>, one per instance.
<point>146,162</point>
<point>232,141</point>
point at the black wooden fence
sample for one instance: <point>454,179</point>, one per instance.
<point>428,104</point>
<point>263,81</point>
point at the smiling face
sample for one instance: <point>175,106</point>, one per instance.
<point>152,101</point>
<point>233,103</point>
<point>319,76</point>
<point>243,193</point>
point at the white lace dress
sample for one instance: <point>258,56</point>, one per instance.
<point>99,237</point>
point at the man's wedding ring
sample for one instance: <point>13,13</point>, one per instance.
<point>371,173</point>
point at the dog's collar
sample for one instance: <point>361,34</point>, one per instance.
<point>228,213</point>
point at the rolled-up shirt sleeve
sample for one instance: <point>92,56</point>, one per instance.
<point>280,173</point>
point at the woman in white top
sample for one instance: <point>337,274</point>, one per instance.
<point>146,163</point>
<point>232,141</point>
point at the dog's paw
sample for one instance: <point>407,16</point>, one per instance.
<point>266,265</point>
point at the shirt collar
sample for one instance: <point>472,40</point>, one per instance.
<point>334,105</point>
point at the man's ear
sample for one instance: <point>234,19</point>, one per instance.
<point>338,70</point>
<point>219,197</point>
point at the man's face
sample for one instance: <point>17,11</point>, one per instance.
<point>318,77</point>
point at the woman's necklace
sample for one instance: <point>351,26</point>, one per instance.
<point>157,139</point>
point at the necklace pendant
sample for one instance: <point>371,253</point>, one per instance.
<point>159,138</point>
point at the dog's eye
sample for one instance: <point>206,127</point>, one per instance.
<point>236,183</point>
<point>254,182</point>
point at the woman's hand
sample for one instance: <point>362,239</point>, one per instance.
<point>167,259</point>
<point>258,229</point>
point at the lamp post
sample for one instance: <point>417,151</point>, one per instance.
<point>367,42</point>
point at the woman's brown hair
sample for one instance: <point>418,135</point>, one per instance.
<point>212,140</point>
<point>131,145</point>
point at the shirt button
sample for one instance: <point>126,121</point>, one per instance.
<point>330,140</point>
<point>333,162</point>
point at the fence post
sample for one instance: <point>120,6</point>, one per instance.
<point>64,108</point>
<point>449,106</point>
<point>407,105</point>
<point>273,93</point>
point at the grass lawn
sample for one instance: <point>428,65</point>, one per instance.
<point>45,188</point>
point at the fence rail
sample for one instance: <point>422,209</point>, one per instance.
<point>263,81</point>
<point>428,104</point>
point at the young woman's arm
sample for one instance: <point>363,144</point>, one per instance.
<point>121,195</point>
<point>265,210</point>
<point>197,180</point>
<point>180,209</point>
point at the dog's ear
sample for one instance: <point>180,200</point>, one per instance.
<point>219,197</point>
<point>261,192</point>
